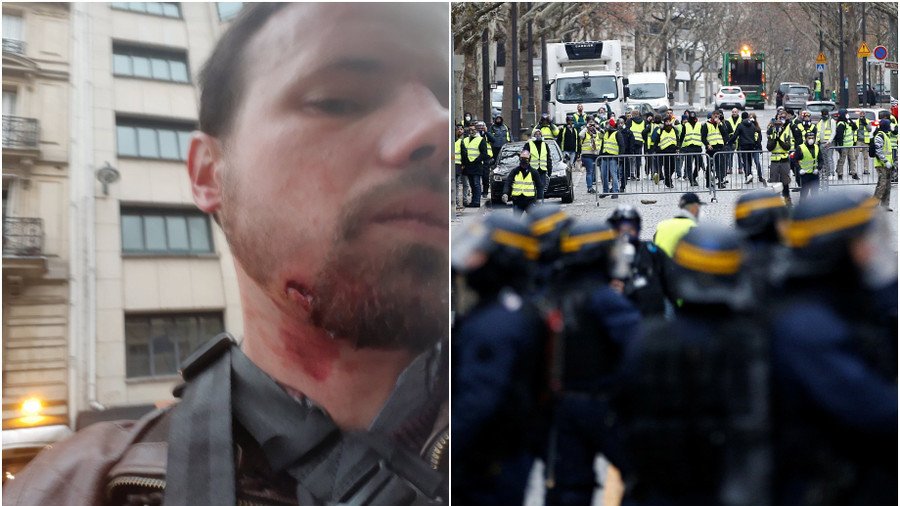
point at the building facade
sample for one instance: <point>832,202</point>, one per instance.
<point>36,238</point>
<point>128,276</point>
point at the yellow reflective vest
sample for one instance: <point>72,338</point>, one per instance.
<point>808,162</point>
<point>522,185</point>
<point>713,135</point>
<point>667,139</point>
<point>670,231</point>
<point>472,144</point>
<point>888,151</point>
<point>823,133</point>
<point>586,147</point>
<point>457,151</point>
<point>540,160</point>
<point>691,135</point>
<point>610,144</point>
<point>638,130</point>
<point>779,153</point>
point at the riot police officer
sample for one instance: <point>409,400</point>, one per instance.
<point>547,223</point>
<point>597,324</point>
<point>644,282</point>
<point>760,217</point>
<point>497,378</point>
<point>834,342</point>
<point>694,395</point>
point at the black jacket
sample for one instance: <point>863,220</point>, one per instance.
<point>745,135</point>
<point>568,140</point>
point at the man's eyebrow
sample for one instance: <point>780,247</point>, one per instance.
<point>358,65</point>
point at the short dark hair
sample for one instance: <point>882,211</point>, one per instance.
<point>222,79</point>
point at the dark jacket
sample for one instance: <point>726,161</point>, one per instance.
<point>628,140</point>
<point>499,136</point>
<point>745,135</point>
<point>568,139</point>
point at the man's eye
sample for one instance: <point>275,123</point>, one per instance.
<point>335,106</point>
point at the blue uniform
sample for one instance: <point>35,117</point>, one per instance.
<point>835,360</point>
<point>497,375</point>
<point>597,328</point>
<point>677,393</point>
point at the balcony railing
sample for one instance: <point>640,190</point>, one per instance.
<point>20,133</point>
<point>14,46</point>
<point>23,237</point>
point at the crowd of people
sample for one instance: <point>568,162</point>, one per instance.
<point>751,365</point>
<point>662,148</point>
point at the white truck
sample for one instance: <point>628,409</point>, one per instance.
<point>587,73</point>
<point>650,88</point>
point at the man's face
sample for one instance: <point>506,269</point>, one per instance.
<point>472,131</point>
<point>351,235</point>
<point>734,113</point>
<point>538,135</point>
<point>580,108</point>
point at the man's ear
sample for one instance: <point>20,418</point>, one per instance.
<point>205,164</point>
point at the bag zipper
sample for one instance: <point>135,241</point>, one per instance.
<point>439,450</point>
<point>160,484</point>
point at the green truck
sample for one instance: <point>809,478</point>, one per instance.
<point>747,70</point>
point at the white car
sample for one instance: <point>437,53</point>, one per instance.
<point>730,96</point>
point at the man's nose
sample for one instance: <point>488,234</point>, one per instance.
<point>423,140</point>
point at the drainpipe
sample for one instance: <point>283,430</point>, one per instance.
<point>82,284</point>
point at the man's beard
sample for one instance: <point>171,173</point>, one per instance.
<point>396,301</point>
<point>396,298</point>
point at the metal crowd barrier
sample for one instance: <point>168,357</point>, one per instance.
<point>736,166</point>
<point>644,167</point>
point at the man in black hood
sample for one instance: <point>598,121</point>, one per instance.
<point>844,140</point>
<point>745,136</point>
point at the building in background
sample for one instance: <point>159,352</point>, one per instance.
<point>111,275</point>
<point>36,236</point>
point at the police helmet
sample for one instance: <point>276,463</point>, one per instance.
<point>708,267</point>
<point>587,244</point>
<point>625,213</point>
<point>495,251</point>
<point>820,230</point>
<point>547,223</point>
<point>757,213</point>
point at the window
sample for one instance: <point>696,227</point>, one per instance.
<point>165,9</point>
<point>12,27</point>
<point>228,10</point>
<point>148,139</point>
<point>9,102</point>
<point>165,232</point>
<point>156,345</point>
<point>131,61</point>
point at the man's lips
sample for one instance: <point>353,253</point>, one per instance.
<point>423,208</point>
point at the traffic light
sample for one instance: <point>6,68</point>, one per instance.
<point>745,52</point>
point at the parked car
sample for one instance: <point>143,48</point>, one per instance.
<point>819,106</point>
<point>782,89</point>
<point>796,97</point>
<point>560,174</point>
<point>641,107</point>
<point>730,96</point>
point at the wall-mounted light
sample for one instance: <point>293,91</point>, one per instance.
<point>106,175</point>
